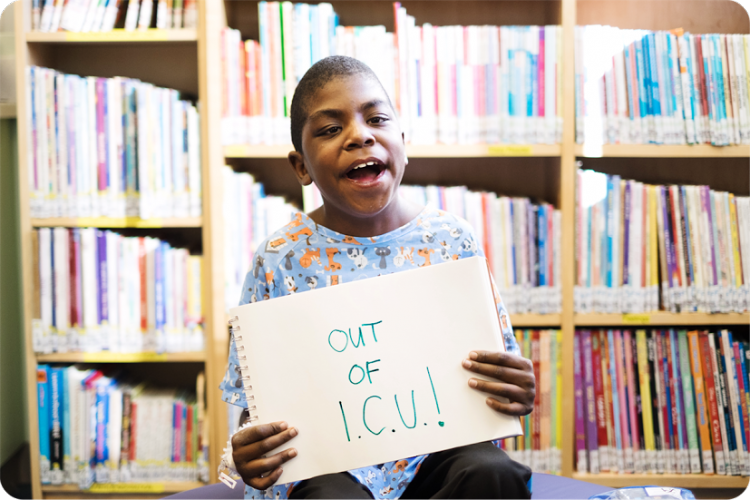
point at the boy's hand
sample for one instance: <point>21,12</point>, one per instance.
<point>515,380</point>
<point>250,446</point>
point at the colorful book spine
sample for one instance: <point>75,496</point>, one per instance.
<point>44,418</point>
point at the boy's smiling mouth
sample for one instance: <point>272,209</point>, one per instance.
<point>365,171</point>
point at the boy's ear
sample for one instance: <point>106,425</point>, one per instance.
<point>297,161</point>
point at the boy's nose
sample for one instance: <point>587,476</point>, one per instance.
<point>359,136</point>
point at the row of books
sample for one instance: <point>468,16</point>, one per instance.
<point>96,428</point>
<point>661,401</point>
<point>659,87</point>
<point>250,216</point>
<point>641,247</point>
<point>540,446</point>
<point>97,290</point>
<point>106,15</point>
<point>521,239</point>
<point>449,84</point>
<point>114,147</point>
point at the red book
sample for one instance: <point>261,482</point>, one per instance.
<point>133,429</point>
<point>189,435</point>
<point>709,367</point>
<point>601,421</point>
<point>742,390</point>
<point>702,89</point>
<point>144,285</point>
<point>537,414</point>
<point>75,275</point>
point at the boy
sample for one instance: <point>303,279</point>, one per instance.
<point>347,140</point>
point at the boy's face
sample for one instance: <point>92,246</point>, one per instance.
<point>353,149</point>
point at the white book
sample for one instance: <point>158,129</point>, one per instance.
<point>61,124</point>
<point>144,14</point>
<point>31,128</point>
<point>687,87</point>
<point>550,85</point>
<point>113,264</point>
<point>61,287</point>
<point>144,139</point>
<point>43,161</point>
<point>99,11</point>
<point>93,166</point>
<point>743,106</point>
<point>48,11</point>
<point>114,433</point>
<point>45,285</point>
<point>57,15</point>
<point>115,147</point>
<point>162,14</point>
<point>73,15</point>
<point>131,16</point>
<point>90,288</point>
<point>110,15</point>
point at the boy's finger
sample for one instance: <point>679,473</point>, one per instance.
<point>520,378</point>
<point>515,409</point>
<point>501,358</point>
<point>510,391</point>
<point>258,449</point>
<point>265,466</point>
<point>263,483</point>
<point>256,433</point>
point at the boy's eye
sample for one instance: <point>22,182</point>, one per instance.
<point>330,130</point>
<point>378,119</point>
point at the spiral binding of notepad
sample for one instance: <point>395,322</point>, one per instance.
<point>247,388</point>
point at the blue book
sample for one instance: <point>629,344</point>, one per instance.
<point>719,87</point>
<point>681,437</point>
<point>740,450</point>
<point>644,90</point>
<point>43,404</point>
<point>542,232</point>
<point>743,366</point>
<point>56,430</point>
<point>656,104</point>
<point>102,423</point>
<point>68,466</point>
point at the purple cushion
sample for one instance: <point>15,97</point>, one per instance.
<point>549,486</point>
<point>543,486</point>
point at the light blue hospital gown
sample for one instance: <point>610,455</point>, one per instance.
<point>303,256</point>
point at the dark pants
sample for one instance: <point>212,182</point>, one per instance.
<point>475,471</point>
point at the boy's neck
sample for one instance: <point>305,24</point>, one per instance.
<point>390,219</point>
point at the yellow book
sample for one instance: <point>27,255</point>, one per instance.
<point>735,241</point>
<point>544,392</point>
<point>653,244</point>
<point>645,382</point>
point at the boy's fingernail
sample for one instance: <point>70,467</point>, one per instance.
<point>466,363</point>
<point>283,426</point>
<point>472,382</point>
<point>473,355</point>
<point>292,453</point>
<point>293,432</point>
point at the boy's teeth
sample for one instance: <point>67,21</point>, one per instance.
<point>362,165</point>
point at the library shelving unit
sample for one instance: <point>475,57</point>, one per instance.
<point>168,58</point>
<point>190,61</point>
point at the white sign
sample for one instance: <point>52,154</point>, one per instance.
<point>370,371</point>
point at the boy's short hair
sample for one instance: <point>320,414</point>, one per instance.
<point>314,80</point>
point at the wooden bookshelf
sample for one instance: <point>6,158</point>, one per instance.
<point>662,318</point>
<point>115,36</point>
<point>7,110</point>
<point>120,490</point>
<point>111,222</point>
<point>661,151</point>
<point>678,480</point>
<point>121,357</point>
<point>534,320</point>
<point>189,60</point>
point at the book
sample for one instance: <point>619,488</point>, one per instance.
<point>690,258</point>
<point>142,170</point>
<point>449,84</point>
<point>680,88</point>
<point>380,436</point>
<point>44,419</point>
<point>100,429</point>
<point>98,300</point>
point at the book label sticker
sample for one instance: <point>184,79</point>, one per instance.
<point>636,319</point>
<point>509,150</point>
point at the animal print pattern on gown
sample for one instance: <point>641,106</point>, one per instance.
<point>303,255</point>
